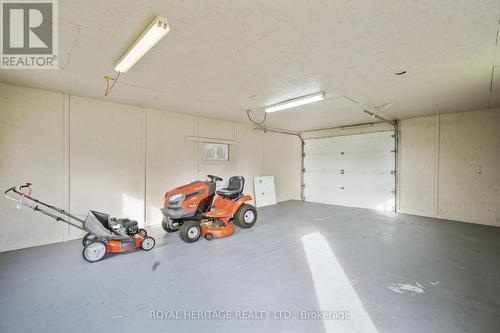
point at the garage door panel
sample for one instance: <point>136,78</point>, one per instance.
<point>366,162</point>
<point>322,162</point>
<point>378,183</point>
<point>355,171</point>
<point>346,198</point>
<point>377,161</point>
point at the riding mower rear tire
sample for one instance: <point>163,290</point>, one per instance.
<point>190,231</point>
<point>246,216</point>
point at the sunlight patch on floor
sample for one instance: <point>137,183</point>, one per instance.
<point>333,290</point>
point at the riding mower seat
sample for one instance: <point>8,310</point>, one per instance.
<point>234,189</point>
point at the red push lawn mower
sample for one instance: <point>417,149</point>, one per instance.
<point>194,210</point>
<point>104,233</point>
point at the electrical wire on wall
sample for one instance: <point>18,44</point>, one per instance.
<point>258,123</point>
<point>109,87</point>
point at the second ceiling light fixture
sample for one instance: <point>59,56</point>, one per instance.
<point>294,102</point>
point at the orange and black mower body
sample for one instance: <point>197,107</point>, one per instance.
<point>188,201</point>
<point>198,209</point>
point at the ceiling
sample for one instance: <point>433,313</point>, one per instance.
<point>223,57</point>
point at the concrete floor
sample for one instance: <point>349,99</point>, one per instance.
<point>390,273</point>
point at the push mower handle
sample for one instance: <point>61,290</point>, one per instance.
<point>8,190</point>
<point>18,188</point>
<point>24,186</point>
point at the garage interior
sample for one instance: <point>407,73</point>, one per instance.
<point>377,205</point>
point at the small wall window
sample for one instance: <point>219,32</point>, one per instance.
<point>216,151</point>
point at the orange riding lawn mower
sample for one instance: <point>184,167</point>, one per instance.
<point>194,210</point>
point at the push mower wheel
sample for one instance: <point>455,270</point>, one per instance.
<point>143,232</point>
<point>148,243</point>
<point>88,238</point>
<point>246,216</point>
<point>94,251</point>
<point>165,227</point>
<point>190,231</point>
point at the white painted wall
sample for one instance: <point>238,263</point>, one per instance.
<point>450,166</point>
<point>31,149</point>
<point>282,154</point>
<point>82,153</point>
<point>171,160</point>
<point>106,159</point>
<point>417,155</point>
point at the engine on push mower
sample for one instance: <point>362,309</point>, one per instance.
<point>124,226</point>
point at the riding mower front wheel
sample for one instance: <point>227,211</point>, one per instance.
<point>190,231</point>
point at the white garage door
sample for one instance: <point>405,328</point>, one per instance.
<point>353,170</point>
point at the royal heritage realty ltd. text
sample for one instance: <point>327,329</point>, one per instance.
<point>247,315</point>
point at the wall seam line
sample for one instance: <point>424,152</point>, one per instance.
<point>67,153</point>
<point>436,166</point>
<point>145,162</point>
<point>69,156</point>
<point>198,161</point>
<point>64,162</point>
<point>399,173</point>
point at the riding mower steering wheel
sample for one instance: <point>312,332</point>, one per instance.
<point>214,178</point>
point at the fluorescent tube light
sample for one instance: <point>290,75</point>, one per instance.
<point>155,31</point>
<point>291,103</point>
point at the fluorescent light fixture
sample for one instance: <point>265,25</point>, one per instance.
<point>155,31</point>
<point>291,103</point>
